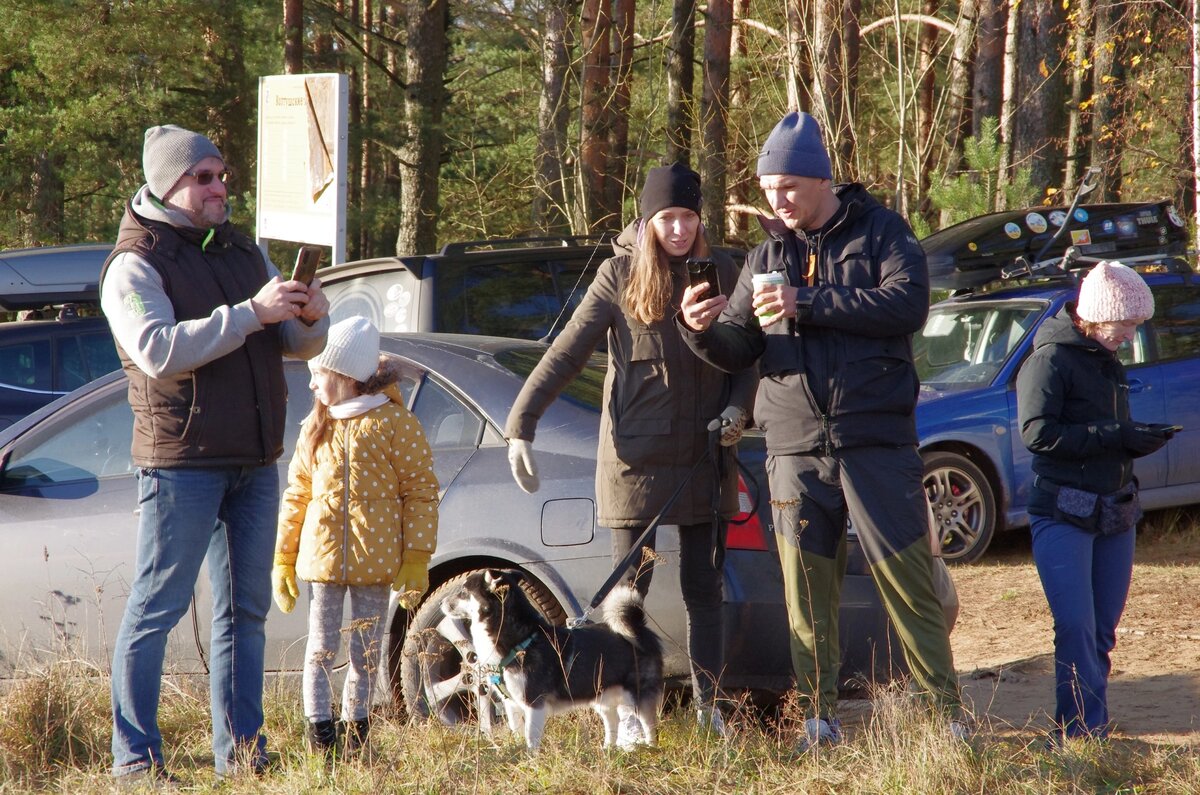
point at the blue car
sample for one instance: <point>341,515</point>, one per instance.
<point>977,470</point>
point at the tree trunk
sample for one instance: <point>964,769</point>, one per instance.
<point>424,102</point>
<point>714,109</point>
<point>680,80</point>
<point>1108,99</point>
<point>617,183</point>
<point>928,135</point>
<point>1012,32</point>
<point>596,30</point>
<point>737,222</point>
<point>550,180</point>
<point>829,81</point>
<point>958,84</point>
<point>1081,31</point>
<point>231,111</point>
<point>988,80</point>
<point>1041,84</point>
<point>365,175</point>
<point>43,220</point>
<point>798,95</point>
<point>293,37</point>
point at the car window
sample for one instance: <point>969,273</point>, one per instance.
<point>447,421</point>
<point>523,299</point>
<point>1176,321</point>
<point>961,346</point>
<point>93,443</point>
<point>386,299</point>
<point>585,390</point>
<point>27,365</point>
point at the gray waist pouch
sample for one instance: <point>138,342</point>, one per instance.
<point>1107,514</point>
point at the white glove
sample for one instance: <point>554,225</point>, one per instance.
<point>733,422</point>
<point>524,470</point>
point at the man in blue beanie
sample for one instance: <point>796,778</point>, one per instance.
<point>831,340</point>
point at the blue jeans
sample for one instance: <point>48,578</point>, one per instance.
<point>1086,579</point>
<point>228,514</point>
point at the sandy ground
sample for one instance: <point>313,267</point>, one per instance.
<point>1003,643</point>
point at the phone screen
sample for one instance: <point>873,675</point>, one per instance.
<point>704,270</point>
<point>307,260</point>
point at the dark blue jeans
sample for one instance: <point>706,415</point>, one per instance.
<point>227,514</point>
<point>1086,579</point>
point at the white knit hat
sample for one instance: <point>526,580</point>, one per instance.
<point>352,348</point>
<point>1111,291</point>
<point>169,151</point>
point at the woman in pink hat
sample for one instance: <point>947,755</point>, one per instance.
<point>1073,407</point>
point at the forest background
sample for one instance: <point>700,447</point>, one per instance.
<point>473,119</point>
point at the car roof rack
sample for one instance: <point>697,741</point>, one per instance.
<point>468,246</point>
<point>1033,242</point>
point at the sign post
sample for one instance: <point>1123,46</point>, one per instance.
<point>302,152</point>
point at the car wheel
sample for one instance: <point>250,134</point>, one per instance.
<point>439,673</point>
<point>964,508</point>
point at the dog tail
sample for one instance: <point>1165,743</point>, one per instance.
<point>625,615</point>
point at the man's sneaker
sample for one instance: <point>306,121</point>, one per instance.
<point>630,733</point>
<point>818,732</point>
<point>711,720</point>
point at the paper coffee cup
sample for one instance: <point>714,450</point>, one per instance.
<point>761,280</point>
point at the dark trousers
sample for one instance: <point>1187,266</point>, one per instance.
<point>879,489</point>
<point>703,595</point>
<point>1086,579</point>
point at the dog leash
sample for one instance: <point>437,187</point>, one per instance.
<point>635,551</point>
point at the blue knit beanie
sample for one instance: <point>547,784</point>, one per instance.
<point>794,147</point>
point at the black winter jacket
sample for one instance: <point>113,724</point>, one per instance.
<point>1071,401</point>
<point>841,374</point>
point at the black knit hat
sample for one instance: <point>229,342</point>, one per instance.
<point>675,185</point>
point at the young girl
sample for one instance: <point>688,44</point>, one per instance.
<point>359,514</point>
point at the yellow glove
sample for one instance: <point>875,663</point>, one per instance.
<point>413,578</point>
<point>283,586</point>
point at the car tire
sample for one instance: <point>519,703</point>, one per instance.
<point>437,676</point>
<point>963,505</point>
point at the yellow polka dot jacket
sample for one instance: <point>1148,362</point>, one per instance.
<point>366,501</point>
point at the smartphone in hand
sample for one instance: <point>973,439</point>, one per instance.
<point>704,270</point>
<point>308,258</point>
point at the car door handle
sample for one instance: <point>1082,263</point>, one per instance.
<point>1137,385</point>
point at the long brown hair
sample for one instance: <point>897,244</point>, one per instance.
<point>649,290</point>
<point>312,433</point>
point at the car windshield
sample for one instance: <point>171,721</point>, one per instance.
<point>584,390</point>
<point>962,346</point>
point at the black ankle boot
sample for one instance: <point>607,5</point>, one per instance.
<point>321,736</point>
<point>354,733</point>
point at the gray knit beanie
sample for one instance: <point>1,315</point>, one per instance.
<point>168,152</point>
<point>794,147</point>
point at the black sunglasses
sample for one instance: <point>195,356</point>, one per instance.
<point>205,177</point>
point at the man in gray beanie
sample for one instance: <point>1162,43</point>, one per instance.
<point>831,339</point>
<point>202,321</point>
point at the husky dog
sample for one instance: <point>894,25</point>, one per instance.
<point>541,669</point>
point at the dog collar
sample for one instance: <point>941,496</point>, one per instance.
<point>496,678</point>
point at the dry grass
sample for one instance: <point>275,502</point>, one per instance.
<point>55,733</point>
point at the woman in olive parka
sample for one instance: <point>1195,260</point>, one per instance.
<point>658,401</point>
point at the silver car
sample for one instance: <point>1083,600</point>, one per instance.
<point>68,516</point>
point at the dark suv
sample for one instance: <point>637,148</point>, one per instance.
<point>54,346</point>
<point>523,287</point>
<point>1005,279</point>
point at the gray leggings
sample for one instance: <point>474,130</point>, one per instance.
<point>368,604</point>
